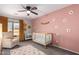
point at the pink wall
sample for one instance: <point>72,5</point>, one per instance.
<point>64,24</point>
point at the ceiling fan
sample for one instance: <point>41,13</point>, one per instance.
<point>28,10</point>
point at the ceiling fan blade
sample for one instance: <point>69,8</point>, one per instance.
<point>34,13</point>
<point>34,8</point>
<point>21,10</point>
<point>23,6</point>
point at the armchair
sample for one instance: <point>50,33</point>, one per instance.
<point>9,41</point>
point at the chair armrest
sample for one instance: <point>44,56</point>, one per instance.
<point>15,39</point>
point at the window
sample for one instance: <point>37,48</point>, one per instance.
<point>14,27</point>
<point>10,26</point>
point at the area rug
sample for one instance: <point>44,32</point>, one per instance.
<point>26,50</point>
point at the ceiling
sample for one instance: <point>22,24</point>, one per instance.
<point>11,10</point>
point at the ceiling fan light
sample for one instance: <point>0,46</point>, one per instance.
<point>28,12</point>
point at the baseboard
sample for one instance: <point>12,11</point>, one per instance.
<point>66,49</point>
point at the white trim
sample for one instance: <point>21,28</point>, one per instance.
<point>66,49</point>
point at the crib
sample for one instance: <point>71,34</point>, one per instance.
<point>42,38</point>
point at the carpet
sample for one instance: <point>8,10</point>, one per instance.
<point>26,50</point>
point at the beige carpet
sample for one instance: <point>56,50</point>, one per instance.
<point>26,50</point>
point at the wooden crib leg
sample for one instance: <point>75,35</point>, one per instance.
<point>45,46</point>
